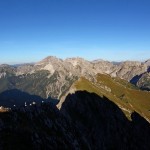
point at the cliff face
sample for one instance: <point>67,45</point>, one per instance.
<point>84,121</point>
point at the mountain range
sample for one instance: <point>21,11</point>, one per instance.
<point>52,76</point>
<point>75,104</point>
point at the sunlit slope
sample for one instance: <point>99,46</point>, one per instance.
<point>125,95</point>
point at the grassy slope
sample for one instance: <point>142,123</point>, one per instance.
<point>124,94</point>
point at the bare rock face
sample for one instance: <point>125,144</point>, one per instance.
<point>80,67</point>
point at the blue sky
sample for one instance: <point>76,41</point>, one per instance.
<point>94,29</point>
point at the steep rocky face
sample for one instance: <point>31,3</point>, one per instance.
<point>81,67</point>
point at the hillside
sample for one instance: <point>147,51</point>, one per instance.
<point>128,97</point>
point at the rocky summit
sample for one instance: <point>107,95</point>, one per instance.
<point>75,104</point>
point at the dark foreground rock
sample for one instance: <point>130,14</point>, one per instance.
<point>85,121</point>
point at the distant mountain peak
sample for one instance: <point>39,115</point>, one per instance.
<point>49,59</point>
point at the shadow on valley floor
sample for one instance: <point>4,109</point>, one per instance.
<point>9,98</point>
<point>103,125</point>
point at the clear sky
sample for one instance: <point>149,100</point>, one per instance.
<point>94,29</point>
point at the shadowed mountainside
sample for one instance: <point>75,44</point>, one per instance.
<point>36,128</point>
<point>142,81</point>
<point>135,79</point>
<point>85,121</point>
<point>103,124</point>
<point>16,97</point>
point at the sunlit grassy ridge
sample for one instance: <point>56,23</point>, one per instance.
<point>125,95</point>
